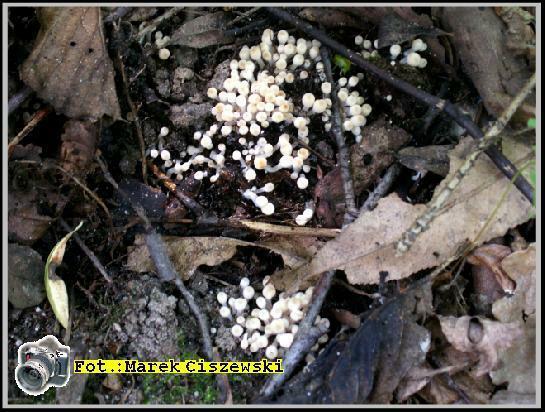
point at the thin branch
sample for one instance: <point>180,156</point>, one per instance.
<point>18,98</point>
<point>344,156</point>
<point>382,188</point>
<point>37,118</point>
<point>92,257</point>
<point>452,110</point>
<point>433,210</point>
<point>157,21</point>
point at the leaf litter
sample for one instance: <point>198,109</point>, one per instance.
<point>367,246</point>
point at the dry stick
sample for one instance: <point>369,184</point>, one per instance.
<point>153,25</point>
<point>167,273</point>
<point>351,212</point>
<point>92,257</point>
<point>242,16</point>
<point>452,110</point>
<point>18,98</point>
<point>192,204</point>
<point>422,222</point>
<point>381,189</point>
<point>37,118</point>
<point>121,68</point>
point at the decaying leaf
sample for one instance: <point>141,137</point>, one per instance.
<point>482,336</point>
<point>480,39</point>
<point>54,286</point>
<point>433,158</point>
<point>367,246</point>
<point>27,221</point>
<point>203,31</point>
<point>368,367</point>
<point>519,361</point>
<point>188,253</point>
<point>79,142</point>
<point>521,267</point>
<point>489,280</point>
<point>69,66</point>
<point>395,30</point>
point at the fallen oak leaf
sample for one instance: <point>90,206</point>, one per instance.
<point>69,65</point>
<point>367,246</point>
<point>188,253</point>
<point>483,336</point>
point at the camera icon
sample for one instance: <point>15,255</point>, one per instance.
<point>42,364</point>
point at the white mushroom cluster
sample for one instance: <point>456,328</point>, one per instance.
<point>266,321</point>
<point>409,56</point>
<point>252,100</point>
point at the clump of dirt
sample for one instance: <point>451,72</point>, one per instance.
<point>148,325</point>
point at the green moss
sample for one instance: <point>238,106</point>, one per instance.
<point>179,389</point>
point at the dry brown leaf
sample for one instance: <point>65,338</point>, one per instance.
<point>188,253</point>
<point>417,378</point>
<point>69,66</point>
<point>203,31</point>
<point>518,366</point>
<point>367,246</point>
<point>489,280</point>
<point>482,336</point>
<point>521,267</point>
<point>481,40</point>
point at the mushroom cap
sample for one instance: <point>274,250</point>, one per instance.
<point>284,339</point>
<point>237,330</point>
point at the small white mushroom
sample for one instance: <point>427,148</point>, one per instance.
<point>248,292</point>
<point>271,352</point>
<point>240,304</point>
<point>222,298</point>
<point>284,339</point>
<point>261,302</point>
<point>252,323</point>
<point>269,291</point>
<point>164,54</point>
<point>225,312</point>
<point>244,282</point>
<point>237,330</point>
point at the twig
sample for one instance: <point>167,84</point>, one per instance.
<point>37,118</point>
<point>287,230</point>
<point>92,257</point>
<point>89,192</point>
<point>167,273</point>
<point>158,20</point>
<point>121,68</point>
<point>193,205</point>
<point>18,98</point>
<point>242,16</point>
<point>381,189</point>
<point>452,110</point>
<point>422,222</point>
<point>356,290</point>
<point>344,157</point>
